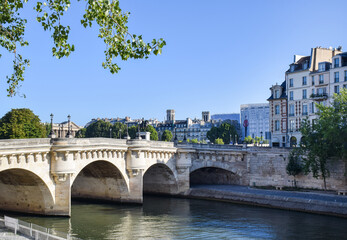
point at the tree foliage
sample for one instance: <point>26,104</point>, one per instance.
<point>248,140</point>
<point>225,131</point>
<point>99,128</point>
<point>154,133</point>
<point>132,132</point>
<point>167,136</point>
<point>219,141</point>
<point>293,167</point>
<point>326,138</point>
<point>21,123</point>
<point>81,133</point>
<point>107,15</point>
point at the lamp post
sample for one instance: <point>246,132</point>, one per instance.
<point>69,135</point>
<point>52,134</point>
<point>261,138</point>
<point>110,132</point>
<point>119,131</point>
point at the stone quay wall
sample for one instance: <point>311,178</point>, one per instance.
<point>267,167</point>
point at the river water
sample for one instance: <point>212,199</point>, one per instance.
<point>174,218</point>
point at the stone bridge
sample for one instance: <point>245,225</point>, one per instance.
<point>42,175</point>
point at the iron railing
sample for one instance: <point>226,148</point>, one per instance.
<point>33,231</point>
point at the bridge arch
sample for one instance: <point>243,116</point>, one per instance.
<point>25,191</point>
<point>160,179</point>
<point>100,179</point>
<point>215,173</point>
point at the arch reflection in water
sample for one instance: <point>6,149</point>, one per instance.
<point>171,218</point>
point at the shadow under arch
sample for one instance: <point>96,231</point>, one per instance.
<point>159,179</point>
<point>100,180</point>
<point>23,191</point>
<point>213,175</point>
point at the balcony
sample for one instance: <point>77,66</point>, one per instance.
<point>291,114</point>
<point>304,114</point>
<point>319,96</point>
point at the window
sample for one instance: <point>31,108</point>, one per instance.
<point>305,65</point>
<point>291,110</point>
<point>291,125</point>
<point>277,94</point>
<point>345,76</point>
<point>304,81</point>
<point>321,67</point>
<point>345,86</point>
<point>304,94</point>
<point>304,109</point>
<point>291,84</point>
<point>336,77</point>
<point>312,107</point>
<point>321,79</point>
<point>312,91</point>
<point>292,68</point>
<point>321,91</point>
<point>336,62</point>
<point>277,109</point>
<point>291,95</point>
<point>277,125</point>
<point>312,80</point>
<point>337,89</point>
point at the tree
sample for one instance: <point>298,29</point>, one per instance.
<point>195,140</point>
<point>294,167</point>
<point>21,123</point>
<point>248,140</point>
<point>326,138</point>
<point>213,134</point>
<point>119,130</point>
<point>219,141</point>
<point>225,131</point>
<point>99,128</point>
<point>154,133</point>
<point>132,132</point>
<point>81,133</point>
<point>106,14</point>
<point>167,136</point>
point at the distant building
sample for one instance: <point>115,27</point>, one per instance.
<point>258,119</point>
<point>61,129</point>
<point>226,116</point>
<point>186,129</point>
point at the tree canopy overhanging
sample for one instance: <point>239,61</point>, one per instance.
<point>106,14</point>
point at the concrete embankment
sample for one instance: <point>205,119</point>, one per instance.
<point>321,203</point>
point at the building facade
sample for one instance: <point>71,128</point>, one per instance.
<point>257,116</point>
<point>310,80</point>
<point>278,115</point>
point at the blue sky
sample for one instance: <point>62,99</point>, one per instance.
<point>219,55</point>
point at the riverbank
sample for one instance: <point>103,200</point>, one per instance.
<point>313,202</point>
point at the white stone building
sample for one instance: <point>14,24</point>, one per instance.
<point>258,118</point>
<point>310,80</point>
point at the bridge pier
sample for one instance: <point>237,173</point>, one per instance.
<point>62,206</point>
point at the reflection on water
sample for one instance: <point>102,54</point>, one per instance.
<point>171,218</point>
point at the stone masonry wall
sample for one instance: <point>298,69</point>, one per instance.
<point>268,168</point>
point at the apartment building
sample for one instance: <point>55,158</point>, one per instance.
<point>278,114</point>
<point>310,80</point>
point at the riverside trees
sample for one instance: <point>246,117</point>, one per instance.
<point>107,15</point>
<point>326,138</point>
<point>21,123</point>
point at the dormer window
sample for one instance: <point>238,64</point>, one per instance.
<point>277,94</point>
<point>305,65</point>
<point>321,67</point>
<point>292,68</point>
<point>336,62</point>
